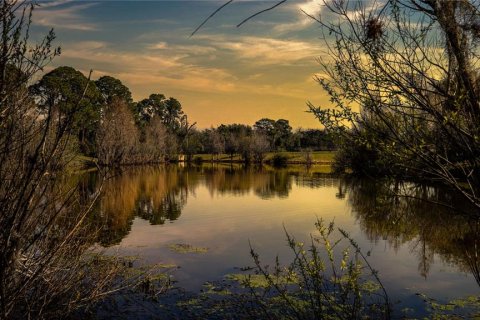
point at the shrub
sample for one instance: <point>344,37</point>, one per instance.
<point>311,287</point>
<point>279,160</point>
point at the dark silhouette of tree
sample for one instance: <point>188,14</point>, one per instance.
<point>279,133</point>
<point>315,139</point>
<point>233,135</point>
<point>283,134</point>
<point>112,88</point>
<point>146,109</point>
<point>68,92</point>
<point>173,114</point>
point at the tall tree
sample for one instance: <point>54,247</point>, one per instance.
<point>233,135</point>
<point>266,126</point>
<point>277,132</point>
<point>117,134</point>
<point>283,134</point>
<point>68,92</point>
<point>112,88</point>
<point>173,114</point>
<point>148,108</point>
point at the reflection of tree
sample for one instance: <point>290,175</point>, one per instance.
<point>316,180</point>
<point>232,180</point>
<point>278,183</point>
<point>239,180</point>
<point>114,214</point>
<point>170,207</point>
<point>155,194</point>
<point>159,194</point>
<point>402,212</point>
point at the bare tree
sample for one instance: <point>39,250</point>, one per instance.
<point>44,271</point>
<point>117,135</point>
<point>156,140</point>
<point>217,141</point>
<point>411,67</point>
<point>260,146</point>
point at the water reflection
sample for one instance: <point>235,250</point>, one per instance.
<point>240,181</point>
<point>423,217</point>
<point>394,212</point>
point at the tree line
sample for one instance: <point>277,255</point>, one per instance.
<point>113,128</point>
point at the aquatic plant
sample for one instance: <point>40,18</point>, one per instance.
<point>341,286</point>
<point>321,282</point>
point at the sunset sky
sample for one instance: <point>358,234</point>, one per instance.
<point>223,74</point>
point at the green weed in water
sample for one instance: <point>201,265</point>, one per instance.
<point>186,248</point>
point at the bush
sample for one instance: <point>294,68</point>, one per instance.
<point>362,159</point>
<point>197,160</point>
<point>279,160</point>
<point>314,288</point>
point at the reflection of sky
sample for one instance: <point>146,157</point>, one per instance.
<point>223,74</point>
<point>226,222</point>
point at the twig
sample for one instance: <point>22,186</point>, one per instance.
<point>211,15</point>
<point>260,12</point>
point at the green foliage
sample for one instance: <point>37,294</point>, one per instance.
<point>325,288</point>
<point>157,105</point>
<point>146,109</point>
<point>173,114</point>
<point>463,308</point>
<point>186,248</point>
<point>362,157</point>
<point>112,88</point>
<point>279,133</point>
<point>257,280</point>
<point>69,93</point>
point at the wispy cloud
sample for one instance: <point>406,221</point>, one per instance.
<point>150,68</point>
<point>189,50</point>
<point>158,46</point>
<point>311,7</point>
<point>302,20</point>
<point>64,15</point>
<point>266,51</point>
<point>161,69</point>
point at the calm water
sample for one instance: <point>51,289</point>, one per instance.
<point>416,246</point>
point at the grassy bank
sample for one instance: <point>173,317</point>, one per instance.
<point>317,157</point>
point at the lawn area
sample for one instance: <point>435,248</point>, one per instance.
<point>297,157</point>
<point>321,157</point>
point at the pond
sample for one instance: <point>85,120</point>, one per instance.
<point>417,246</point>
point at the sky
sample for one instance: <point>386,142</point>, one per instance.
<point>223,74</point>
